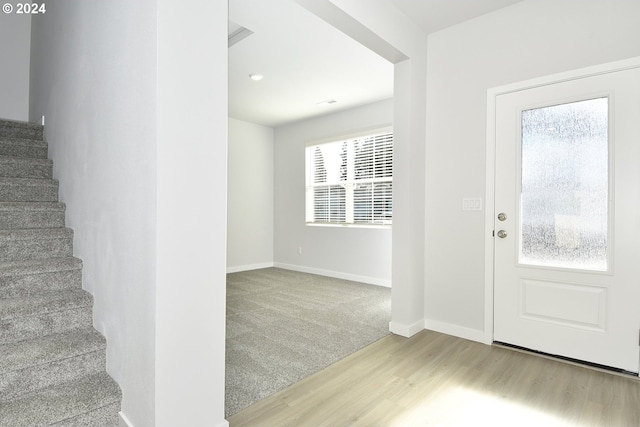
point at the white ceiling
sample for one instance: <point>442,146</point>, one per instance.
<point>305,61</point>
<point>434,15</point>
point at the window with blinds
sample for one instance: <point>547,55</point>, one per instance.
<point>350,181</point>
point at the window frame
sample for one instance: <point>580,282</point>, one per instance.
<point>382,185</point>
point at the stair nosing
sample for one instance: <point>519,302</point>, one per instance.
<point>23,141</point>
<point>36,233</point>
<point>107,393</point>
<point>28,181</point>
<point>41,265</point>
<point>33,305</point>
<point>103,375</point>
<point>32,206</point>
<point>73,419</point>
<point>87,340</point>
<point>25,159</point>
<point>21,124</point>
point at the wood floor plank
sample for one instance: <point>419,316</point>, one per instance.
<point>433,379</point>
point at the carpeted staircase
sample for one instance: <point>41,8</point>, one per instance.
<point>52,361</point>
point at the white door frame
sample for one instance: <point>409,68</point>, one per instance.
<point>492,94</point>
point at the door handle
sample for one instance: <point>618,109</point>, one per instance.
<point>502,234</point>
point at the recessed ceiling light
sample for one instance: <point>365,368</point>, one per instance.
<point>327,102</point>
<point>256,77</point>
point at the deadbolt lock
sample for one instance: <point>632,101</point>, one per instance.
<point>502,216</point>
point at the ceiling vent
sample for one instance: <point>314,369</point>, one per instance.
<point>237,33</point>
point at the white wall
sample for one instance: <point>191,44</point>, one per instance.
<point>530,39</point>
<point>93,75</point>
<point>398,38</point>
<point>191,213</point>
<point>249,196</point>
<point>135,99</point>
<point>15,33</point>
<point>362,254</point>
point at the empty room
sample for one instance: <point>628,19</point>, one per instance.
<point>320,213</point>
<point>289,95</point>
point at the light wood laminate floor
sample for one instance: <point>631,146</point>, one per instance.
<point>433,379</point>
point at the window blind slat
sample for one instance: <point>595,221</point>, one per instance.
<point>351,180</point>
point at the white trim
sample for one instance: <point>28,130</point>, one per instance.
<point>406,330</point>
<point>336,274</point>
<point>248,267</point>
<point>124,421</point>
<point>489,213</point>
<point>349,225</point>
<point>492,94</point>
<point>609,67</point>
<point>368,131</point>
<point>456,330</point>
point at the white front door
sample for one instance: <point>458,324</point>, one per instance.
<point>567,219</point>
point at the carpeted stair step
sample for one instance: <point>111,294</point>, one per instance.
<point>28,366</point>
<point>28,190</point>
<point>26,318</point>
<point>16,147</point>
<point>77,403</point>
<point>18,167</point>
<point>106,416</point>
<point>52,361</point>
<point>15,215</point>
<point>25,244</point>
<point>32,277</point>
<point>24,130</point>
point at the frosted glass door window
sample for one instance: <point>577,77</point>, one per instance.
<point>564,216</point>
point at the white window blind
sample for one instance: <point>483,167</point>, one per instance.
<point>350,181</point>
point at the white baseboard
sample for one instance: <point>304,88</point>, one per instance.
<point>249,267</point>
<point>406,330</point>
<point>336,274</point>
<point>124,421</point>
<point>456,330</point>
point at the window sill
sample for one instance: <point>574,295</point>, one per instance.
<point>334,225</point>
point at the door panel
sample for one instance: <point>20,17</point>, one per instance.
<point>567,262</point>
<point>544,301</point>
